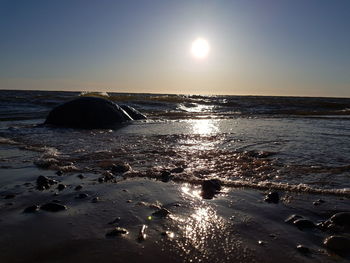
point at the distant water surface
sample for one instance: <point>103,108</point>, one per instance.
<point>292,143</point>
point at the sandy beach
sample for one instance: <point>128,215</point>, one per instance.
<point>236,225</point>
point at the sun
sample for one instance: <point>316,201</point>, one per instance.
<point>200,48</point>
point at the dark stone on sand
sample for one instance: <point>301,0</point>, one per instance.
<point>341,219</point>
<point>272,197</point>
<point>88,113</point>
<point>9,196</point>
<point>59,173</point>
<point>53,207</point>
<point>303,249</point>
<point>80,176</point>
<point>292,218</point>
<point>133,113</point>
<point>95,199</point>
<point>61,187</point>
<point>31,209</point>
<point>165,176</point>
<point>163,212</point>
<point>303,223</point>
<point>118,231</point>
<point>338,244</point>
<point>177,170</point>
<point>82,196</point>
<point>210,188</point>
<point>120,168</point>
<point>44,182</point>
<point>78,187</point>
<point>101,179</point>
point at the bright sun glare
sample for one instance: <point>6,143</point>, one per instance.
<point>200,48</point>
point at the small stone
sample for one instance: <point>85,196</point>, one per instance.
<point>165,176</point>
<point>210,188</point>
<point>61,187</point>
<point>142,233</point>
<point>78,187</point>
<point>177,170</point>
<point>101,179</point>
<point>120,168</point>
<point>53,207</point>
<point>80,176</point>
<point>118,231</point>
<point>95,199</point>
<point>168,234</point>
<point>261,243</point>
<point>31,209</point>
<point>303,249</point>
<point>82,196</point>
<point>10,196</point>
<point>272,197</point>
<point>59,173</point>
<point>341,219</point>
<point>338,244</point>
<point>163,212</point>
<point>292,218</point>
<point>44,182</point>
<point>303,223</point>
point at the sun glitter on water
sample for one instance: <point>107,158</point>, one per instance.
<point>200,48</point>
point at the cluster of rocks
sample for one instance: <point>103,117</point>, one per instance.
<point>337,226</point>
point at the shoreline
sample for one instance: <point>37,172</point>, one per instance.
<point>237,224</point>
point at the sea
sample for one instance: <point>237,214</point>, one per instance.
<point>299,144</point>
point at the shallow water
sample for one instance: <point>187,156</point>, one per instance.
<point>244,141</point>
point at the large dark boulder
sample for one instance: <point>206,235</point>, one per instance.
<point>88,113</point>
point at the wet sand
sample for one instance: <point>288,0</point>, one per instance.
<point>236,225</point>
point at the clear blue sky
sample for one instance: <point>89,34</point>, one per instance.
<point>264,47</point>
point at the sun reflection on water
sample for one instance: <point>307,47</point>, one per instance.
<point>205,127</point>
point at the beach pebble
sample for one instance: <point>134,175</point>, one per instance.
<point>120,168</point>
<point>210,188</point>
<point>118,231</point>
<point>292,218</point>
<point>95,199</point>
<point>142,233</point>
<point>163,212</point>
<point>59,173</point>
<point>53,207</point>
<point>78,187</point>
<point>61,187</point>
<point>44,182</point>
<point>303,223</point>
<point>338,244</point>
<point>177,170</point>
<point>272,197</point>
<point>168,234</point>
<point>303,249</point>
<point>341,219</point>
<point>165,176</point>
<point>31,209</point>
<point>82,196</point>
<point>80,176</point>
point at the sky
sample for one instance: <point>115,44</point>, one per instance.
<point>257,47</point>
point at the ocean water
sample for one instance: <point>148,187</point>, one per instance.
<point>291,143</point>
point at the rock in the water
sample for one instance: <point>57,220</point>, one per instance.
<point>177,170</point>
<point>165,176</point>
<point>31,209</point>
<point>59,173</point>
<point>292,218</point>
<point>341,219</point>
<point>78,187</point>
<point>142,233</point>
<point>95,199</point>
<point>272,197</point>
<point>210,188</point>
<point>338,244</point>
<point>61,187</point>
<point>44,182</point>
<point>80,176</point>
<point>53,207</point>
<point>121,168</point>
<point>133,113</point>
<point>88,113</point>
<point>163,212</point>
<point>303,223</point>
<point>118,231</point>
<point>303,249</point>
<point>82,196</point>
